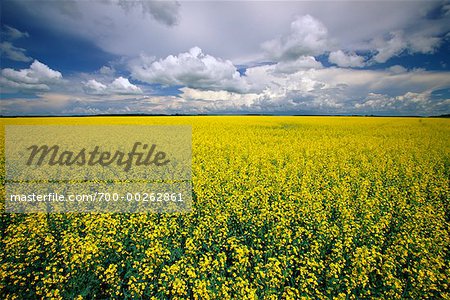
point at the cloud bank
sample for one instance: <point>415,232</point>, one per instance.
<point>222,57</point>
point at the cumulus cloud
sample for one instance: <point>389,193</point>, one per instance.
<point>346,60</point>
<point>308,36</point>
<point>94,87</point>
<point>328,90</point>
<point>282,74</point>
<point>192,69</point>
<point>301,63</point>
<point>39,77</point>
<point>14,53</point>
<point>311,91</point>
<point>120,85</point>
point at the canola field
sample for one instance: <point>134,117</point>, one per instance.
<point>283,208</point>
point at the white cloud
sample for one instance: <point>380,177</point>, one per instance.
<point>295,80</point>
<point>94,87</point>
<point>8,49</point>
<point>195,94</point>
<point>13,33</point>
<point>414,103</point>
<point>14,53</point>
<point>303,62</point>
<point>120,86</point>
<point>424,44</point>
<point>397,69</point>
<point>192,69</point>
<point>390,47</point>
<point>326,91</point>
<point>38,77</point>
<point>308,36</point>
<point>398,42</point>
<point>329,90</point>
<point>346,60</point>
<point>107,71</point>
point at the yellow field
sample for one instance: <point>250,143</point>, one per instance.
<point>284,208</point>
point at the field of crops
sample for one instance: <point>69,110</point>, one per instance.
<point>284,208</point>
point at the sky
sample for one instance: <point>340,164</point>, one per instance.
<point>225,57</point>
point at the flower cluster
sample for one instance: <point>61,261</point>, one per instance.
<point>283,208</point>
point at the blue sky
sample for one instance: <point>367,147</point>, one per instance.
<point>221,57</point>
